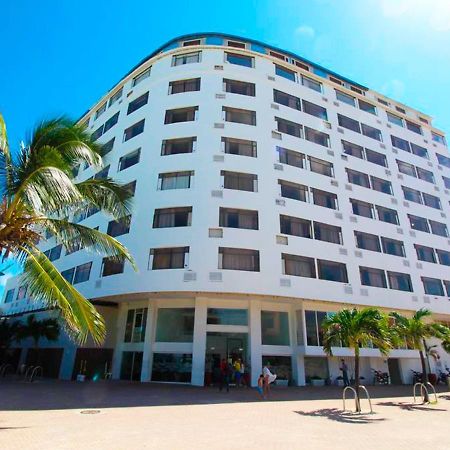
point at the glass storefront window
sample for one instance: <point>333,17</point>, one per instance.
<point>136,325</point>
<point>279,365</point>
<point>275,328</point>
<point>131,366</point>
<point>314,332</point>
<point>222,316</point>
<point>175,367</point>
<point>316,367</point>
<point>175,325</point>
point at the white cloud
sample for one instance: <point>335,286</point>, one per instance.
<point>305,31</point>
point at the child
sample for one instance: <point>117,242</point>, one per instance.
<point>260,387</point>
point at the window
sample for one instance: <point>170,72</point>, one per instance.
<point>286,99</point>
<point>367,241</point>
<point>295,226</point>
<point>371,132</point>
<point>411,195</point>
<point>293,190</point>
<point>54,253</point>
<point>406,168</point>
<point>277,55</point>
<point>239,87</point>
<point>383,102</point>
<point>111,122</point>
<point>169,258</point>
<point>432,201</point>
<point>239,181</point>
<point>359,178</point>
<point>130,188</point>
<point>238,218</point>
<point>112,266</point>
<point>324,198</point>
<point>238,259</point>
<point>425,175</point>
<point>288,127</point>
<point>394,119</point>
<point>314,334</point>
<point>9,296</point>
<point>327,233</point>
<point>193,42</point>
<point>22,292</point>
<point>432,286</point>
<point>141,77</point>
<point>320,166</point>
<point>285,73</point>
<point>68,274</point>
<point>439,228</point>
<point>82,273</point>
<point>419,151</point>
<point>291,158</point>
<point>447,287</point>
<point>387,215</point>
<point>138,103</point>
<point>136,325</point>
<point>413,127</point>
<point>100,111</point>
<point>177,146</point>
<point>180,86</point>
<point>115,97</point>
<point>372,277</point>
<point>332,271</point>
<point>175,325</point>
<point>362,208</point>
<point>317,137</point>
<point>186,58</point>
<point>119,227</point>
<point>175,180</point>
<point>376,158</point>
<point>418,223</point>
<point>181,115</point>
<point>236,44</point>
<point>342,97</point>
<point>446,182</point>
<point>239,60</point>
<point>425,253</point>
<point>353,149</point>
<point>443,160</point>
<point>368,107</point>
<point>399,281</point>
<point>298,266</point>
<point>392,246</point>
<point>311,84</point>
<point>444,257</point>
<point>400,109</point>
<point>438,138</point>
<point>240,147</point>
<point>172,217</point>
<point>227,316</point>
<point>380,185</point>
<point>106,148</point>
<point>348,123</point>
<point>134,130</point>
<point>314,110</point>
<point>236,115</point>
<point>400,143</point>
<point>274,328</point>
<point>129,160</point>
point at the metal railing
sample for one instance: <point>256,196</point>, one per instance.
<point>37,371</point>
<point>364,389</point>
<point>4,369</point>
<point>423,389</point>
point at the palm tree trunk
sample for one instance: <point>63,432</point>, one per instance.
<point>424,374</point>
<point>358,403</point>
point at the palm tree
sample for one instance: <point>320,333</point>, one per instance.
<point>39,195</point>
<point>8,333</point>
<point>357,328</point>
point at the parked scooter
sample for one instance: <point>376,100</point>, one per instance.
<point>380,377</point>
<point>443,377</point>
<point>417,376</point>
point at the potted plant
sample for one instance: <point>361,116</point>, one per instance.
<point>317,381</point>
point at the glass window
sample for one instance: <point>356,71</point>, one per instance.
<point>443,160</point>
<point>274,328</point>
<point>130,188</point>
<point>285,73</point>
<point>353,149</point>
<point>320,166</point>
<point>119,227</point>
<point>376,158</point>
<point>68,274</point>
<point>177,146</point>
<point>372,277</point>
<point>169,258</point>
<point>180,86</point>
<point>412,195</point>
<point>100,111</point>
<point>175,180</point>
<point>332,271</point>
<point>324,198</point>
<point>111,122</point>
<point>298,266</point>
<point>115,97</point>
<point>367,241</point>
<point>236,115</point>
<point>414,127</point>
<point>239,87</point>
<point>291,158</point>
<point>368,107</point>
<point>317,137</point>
<point>419,151</point>
<point>22,292</point>
<point>172,367</point>
<point>328,233</point>
<point>295,226</point>
<point>418,223</point>
<point>432,286</point>
<point>239,60</point>
<point>102,174</point>
<point>444,257</point>
<point>175,325</point>
<point>438,228</point>
<point>425,253</point>
<point>288,127</point>
<point>186,58</point>
<point>380,185</point>
<point>286,99</point>
<point>432,201</point>
<point>222,316</point>
<point>348,123</point>
<point>311,84</point>
<point>446,182</point>
<point>293,190</point>
<point>400,143</point>
<point>129,160</point>
<point>438,138</point>
<point>112,266</point>
<point>359,178</point>
<point>311,328</point>
<point>399,281</point>
<point>106,148</point>
<point>181,115</point>
<point>131,366</point>
<point>314,110</point>
<point>238,259</point>
<point>134,130</point>
<point>387,215</point>
<point>141,77</point>
<point>392,246</point>
<point>394,119</point>
<point>241,147</point>
<point>238,218</point>
<point>54,253</point>
<point>137,103</point>
<point>9,296</point>
<point>342,97</point>
<point>136,325</point>
<point>239,181</point>
<point>172,217</point>
<point>425,175</point>
<point>82,273</point>
<point>362,208</point>
<point>371,132</point>
<point>281,365</point>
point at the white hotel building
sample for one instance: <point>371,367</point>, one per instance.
<point>268,192</point>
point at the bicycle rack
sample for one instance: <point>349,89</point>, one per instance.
<point>29,370</point>
<point>4,368</point>
<point>355,397</point>
<point>423,387</point>
<point>37,370</point>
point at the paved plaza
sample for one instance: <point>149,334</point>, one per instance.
<point>116,415</point>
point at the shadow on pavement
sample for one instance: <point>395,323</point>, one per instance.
<point>410,406</point>
<point>338,415</point>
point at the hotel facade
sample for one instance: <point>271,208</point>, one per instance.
<point>268,193</point>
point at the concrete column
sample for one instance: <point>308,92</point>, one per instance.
<point>255,340</point>
<point>120,327</point>
<point>146,373</point>
<point>199,346</point>
<point>67,362</point>
<point>300,365</point>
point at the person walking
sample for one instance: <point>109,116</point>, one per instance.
<point>224,375</point>
<point>269,377</point>
<point>344,369</point>
<point>260,387</point>
<point>237,372</point>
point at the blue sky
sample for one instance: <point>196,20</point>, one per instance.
<point>61,56</point>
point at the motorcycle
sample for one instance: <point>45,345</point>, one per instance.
<point>380,377</point>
